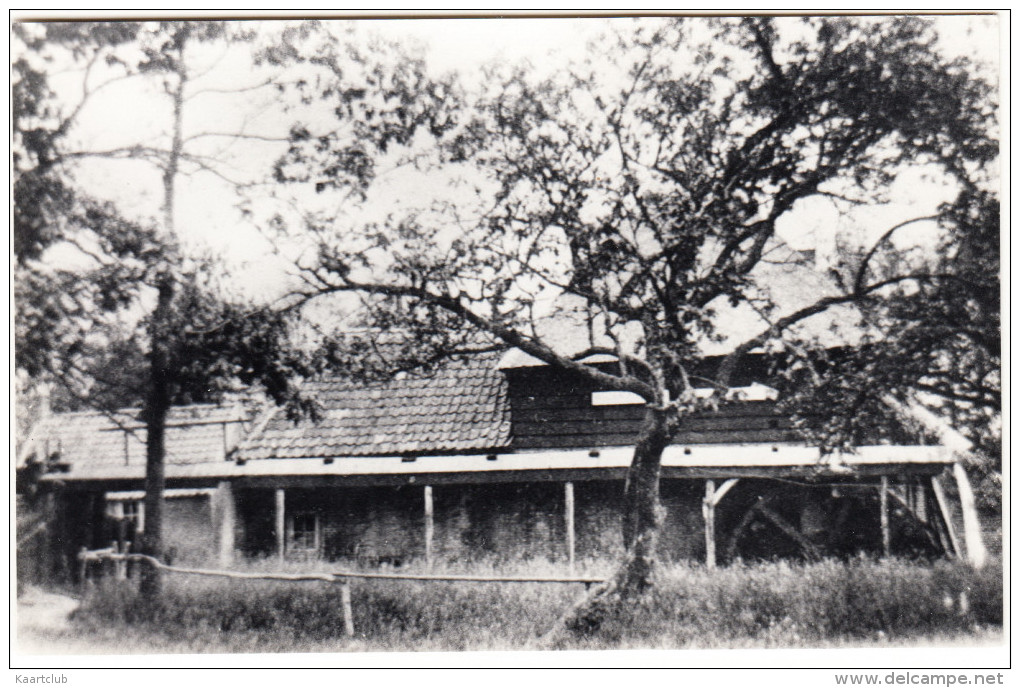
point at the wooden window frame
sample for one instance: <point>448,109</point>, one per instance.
<point>117,510</point>
<point>316,547</point>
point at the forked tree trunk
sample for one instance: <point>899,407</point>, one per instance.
<point>642,516</point>
<point>642,519</point>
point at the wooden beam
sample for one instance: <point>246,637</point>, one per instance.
<point>711,501</point>
<point>723,489</point>
<point>977,555</point>
<point>568,514</point>
<point>348,613</point>
<point>779,522</point>
<point>83,482</point>
<point>883,507</point>
<point>731,548</point>
<point>947,518</point>
<point>921,502</point>
<point>931,533</point>
<point>708,512</point>
<point>281,532</point>
<point>938,525</point>
<point>429,527</point>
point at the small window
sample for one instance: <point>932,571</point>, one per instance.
<point>132,512</point>
<point>615,399</point>
<point>303,533</point>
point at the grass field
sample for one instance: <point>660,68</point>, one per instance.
<point>827,604</point>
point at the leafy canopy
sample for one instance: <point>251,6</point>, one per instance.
<point>642,189</point>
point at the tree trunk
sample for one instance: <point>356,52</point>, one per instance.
<point>158,395</point>
<point>157,405</point>
<point>642,516</point>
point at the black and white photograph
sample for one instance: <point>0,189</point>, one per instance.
<point>553,337</point>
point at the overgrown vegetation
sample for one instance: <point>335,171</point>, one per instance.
<point>769,604</point>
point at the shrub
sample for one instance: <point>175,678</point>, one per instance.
<point>776,603</point>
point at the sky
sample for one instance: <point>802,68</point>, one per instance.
<point>208,211</point>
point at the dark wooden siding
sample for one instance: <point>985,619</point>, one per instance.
<point>553,409</point>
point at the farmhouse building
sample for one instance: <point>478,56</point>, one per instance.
<point>494,456</point>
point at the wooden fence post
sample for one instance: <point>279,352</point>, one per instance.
<point>345,600</point>
<point>120,565</point>
<point>711,501</point>
<point>127,562</point>
<point>112,565</point>
<point>568,509</point>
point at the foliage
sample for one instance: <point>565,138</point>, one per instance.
<point>770,604</point>
<point>56,309</point>
<point>640,192</point>
<point>947,335</point>
<point>44,203</point>
<point>647,195</point>
<point>935,341</point>
<point>380,94</point>
<point>86,275</point>
<point>128,283</point>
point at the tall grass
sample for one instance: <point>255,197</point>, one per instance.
<point>790,604</point>
<point>768,604</point>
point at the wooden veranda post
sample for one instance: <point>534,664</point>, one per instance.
<point>947,518</point>
<point>429,526</point>
<point>883,505</point>
<point>977,555</point>
<point>225,517</point>
<point>568,514</point>
<point>708,512</point>
<point>712,499</point>
<point>281,530</point>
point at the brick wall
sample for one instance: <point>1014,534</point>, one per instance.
<point>188,532</point>
<point>506,521</point>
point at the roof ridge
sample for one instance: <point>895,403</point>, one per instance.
<point>257,428</point>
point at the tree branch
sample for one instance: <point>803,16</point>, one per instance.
<point>236,135</point>
<point>729,363</point>
<point>862,269</point>
<point>528,345</point>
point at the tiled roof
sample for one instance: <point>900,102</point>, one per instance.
<point>463,406</point>
<point>194,434</point>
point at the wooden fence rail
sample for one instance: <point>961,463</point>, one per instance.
<point>340,578</point>
<point>37,529</point>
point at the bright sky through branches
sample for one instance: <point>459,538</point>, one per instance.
<point>208,208</point>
